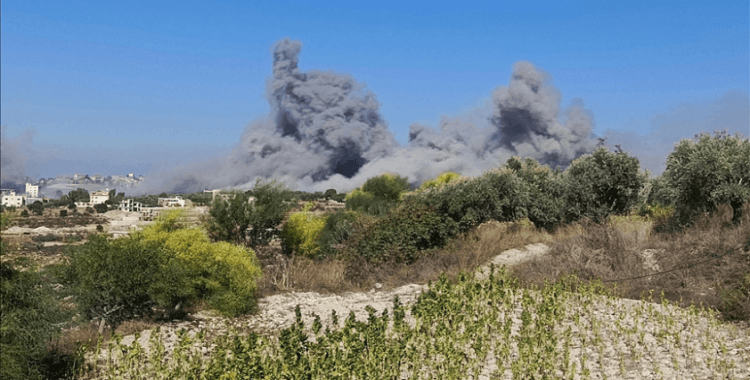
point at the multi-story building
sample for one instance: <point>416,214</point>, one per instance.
<point>98,197</point>
<point>32,191</point>
<point>10,199</point>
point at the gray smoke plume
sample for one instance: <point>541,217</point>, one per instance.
<point>325,131</point>
<point>13,160</point>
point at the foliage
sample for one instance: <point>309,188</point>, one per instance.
<point>63,213</point>
<point>600,184</point>
<point>543,191</point>
<point>28,317</point>
<point>222,273</point>
<point>116,280</point>
<point>28,321</point>
<point>708,171</point>
<point>79,195</point>
<point>402,235</point>
<point>37,208</point>
<point>100,208</point>
<point>230,219</point>
<point>337,229</point>
<point>457,330</point>
<point>301,233</point>
<point>378,194</point>
<point>165,266</point>
<point>440,181</point>
<point>90,210</point>
<point>266,212</point>
<point>200,198</point>
<point>24,213</point>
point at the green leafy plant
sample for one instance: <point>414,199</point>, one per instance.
<point>600,184</point>
<point>708,171</point>
<point>302,231</point>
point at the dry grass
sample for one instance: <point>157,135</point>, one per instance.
<point>463,254</point>
<point>466,253</point>
<point>614,253</point>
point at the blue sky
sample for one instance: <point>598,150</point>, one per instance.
<point>116,87</point>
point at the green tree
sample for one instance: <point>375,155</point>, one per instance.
<point>708,171</point>
<point>230,219</point>
<point>602,183</point>
<point>79,195</point>
<point>378,194</point>
<point>100,208</point>
<point>37,208</point>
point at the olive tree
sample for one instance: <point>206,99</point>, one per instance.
<point>708,171</point>
<point>230,219</point>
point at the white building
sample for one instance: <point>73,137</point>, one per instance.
<point>32,191</point>
<point>172,202</point>
<point>98,197</point>
<point>10,199</point>
<point>130,205</point>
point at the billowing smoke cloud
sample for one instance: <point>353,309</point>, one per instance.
<point>13,159</point>
<point>325,131</point>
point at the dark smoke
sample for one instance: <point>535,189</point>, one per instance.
<point>325,130</point>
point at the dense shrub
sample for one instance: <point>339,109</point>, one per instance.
<point>337,229</point>
<point>28,314</point>
<point>378,194</point>
<point>222,273</point>
<point>440,181</point>
<point>28,321</point>
<point>400,236</point>
<point>387,186</point>
<point>63,213</point>
<point>543,191</point>
<point>117,280</point>
<point>600,184</point>
<point>37,208</point>
<point>496,195</point>
<point>24,213</point>
<point>161,266</point>
<point>100,208</point>
<point>301,233</point>
<point>708,171</point>
<point>230,219</point>
<point>90,210</point>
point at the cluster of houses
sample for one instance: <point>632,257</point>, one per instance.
<point>11,199</point>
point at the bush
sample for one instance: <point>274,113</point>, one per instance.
<point>28,321</point>
<point>90,210</point>
<point>117,280</point>
<point>401,236</point>
<point>600,184</point>
<point>301,233</point>
<point>440,181</point>
<point>46,238</point>
<point>338,228</point>
<point>161,266</point>
<point>222,273</point>
<point>37,208</point>
<point>100,208</point>
<point>25,214</point>
<point>229,220</point>
<point>63,213</point>
<point>99,228</point>
<point>543,190</point>
<point>378,194</point>
<point>708,171</point>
